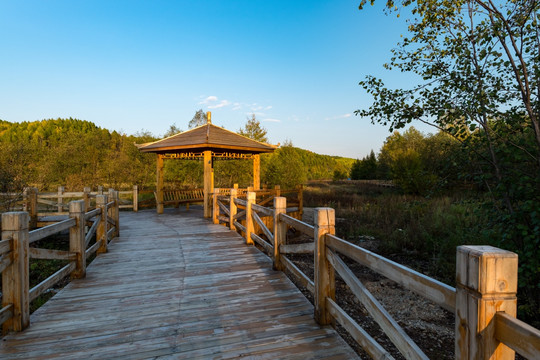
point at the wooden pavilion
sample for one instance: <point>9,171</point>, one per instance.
<point>208,142</point>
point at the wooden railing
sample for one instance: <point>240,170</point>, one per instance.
<point>42,203</point>
<point>15,252</point>
<point>484,301</point>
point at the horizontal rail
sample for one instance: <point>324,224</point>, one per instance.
<point>110,204</point>
<point>92,249</point>
<point>263,227</point>
<point>390,327</point>
<point>421,284</point>
<point>223,208</point>
<point>240,202</point>
<point>291,209</point>
<point>5,261</point>
<point>223,219</point>
<point>266,201</point>
<point>297,224</point>
<point>305,248</point>
<point>240,226</point>
<point>240,215</point>
<point>91,232</point>
<point>517,335</point>
<point>6,313</point>
<point>110,233</point>
<point>51,281</point>
<point>49,254</point>
<point>300,276</point>
<point>265,211</point>
<point>368,344</point>
<point>92,213</point>
<point>5,246</point>
<point>259,240</point>
<point>48,230</point>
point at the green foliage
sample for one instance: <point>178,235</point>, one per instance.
<point>365,168</point>
<point>254,130</point>
<point>198,119</point>
<point>284,167</point>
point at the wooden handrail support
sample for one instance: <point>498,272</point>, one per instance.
<point>114,211</point>
<point>251,198</point>
<point>325,287</point>
<point>233,209</point>
<point>15,282</point>
<point>486,284</point>
<point>101,234</point>
<point>280,230</point>
<point>77,243</point>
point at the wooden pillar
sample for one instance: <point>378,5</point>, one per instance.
<point>324,219</point>
<point>280,230</point>
<point>486,279</point>
<point>100,190</point>
<point>86,197</point>
<point>301,200</point>
<point>251,197</point>
<point>207,183</point>
<point>159,184</point>
<point>257,172</point>
<point>60,207</point>
<point>114,211</point>
<point>77,237</point>
<point>277,191</point>
<point>101,234</point>
<point>15,282</point>
<point>135,198</point>
<point>215,206</point>
<point>232,208</point>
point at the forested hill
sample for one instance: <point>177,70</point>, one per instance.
<point>78,153</point>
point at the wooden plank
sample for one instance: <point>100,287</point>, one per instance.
<point>391,328</point>
<point>50,254</point>
<point>5,261</point>
<point>239,226</point>
<point>263,210</point>
<point>223,219</point>
<point>91,231</point>
<point>92,249</point>
<point>49,230</point>
<point>268,247</point>
<point>224,208</point>
<point>110,233</point>
<point>263,227</point>
<point>368,344</point>
<point>300,276</point>
<point>240,202</point>
<point>266,201</point>
<point>6,313</point>
<point>297,224</point>
<point>434,290</point>
<point>518,335</point>
<point>51,280</point>
<point>5,246</point>
<point>304,248</point>
<point>90,214</point>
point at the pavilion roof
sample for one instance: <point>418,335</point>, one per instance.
<point>207,137</point>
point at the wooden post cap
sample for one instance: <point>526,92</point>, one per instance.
<point>324,216</point>
<point>15,220</point>
<point>101,199</point>
<point>77,206</point>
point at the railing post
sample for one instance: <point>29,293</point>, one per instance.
<point>31,205</point>
<point>115,211</point>
<point>100,190</point>
<point>86,197</point>
<point>101,233</point>
<point>135,198</point>
<point>232,208</point>
<point>215,206</point>
<point>324,219</point>
<point>301,200</point>
<point>76,237</point>
<point>15,278</point>
<point>486,282</point>
<point>280,230</point>
<point>250,198</point>
<point>277,191</point>
<point>60,207</point>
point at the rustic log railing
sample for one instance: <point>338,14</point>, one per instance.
<point>484,301</point>
<point>15,252</point>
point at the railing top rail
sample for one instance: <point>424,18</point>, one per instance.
<point>301,226</point>
<point>517,335</point>
<point>434,290</point>
<point>48,230</point>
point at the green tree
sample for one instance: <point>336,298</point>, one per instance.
<point>479,65</point>
<point>254,130</point>
<point>198,119</point>
<point>365,168</point>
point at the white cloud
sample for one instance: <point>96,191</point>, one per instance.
<point>221,104</point>
<point>209,99</point>
<point>272,120</point>
<point>338,117</point>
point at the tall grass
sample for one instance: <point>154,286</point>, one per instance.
<point>416,231</point>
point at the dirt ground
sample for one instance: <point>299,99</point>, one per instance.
<point>430,326</point>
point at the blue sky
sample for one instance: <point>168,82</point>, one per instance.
<point>144,65</point>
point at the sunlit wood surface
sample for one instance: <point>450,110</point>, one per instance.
<point>176,286</point>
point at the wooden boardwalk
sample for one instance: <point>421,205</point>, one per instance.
<point>177,287</point>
